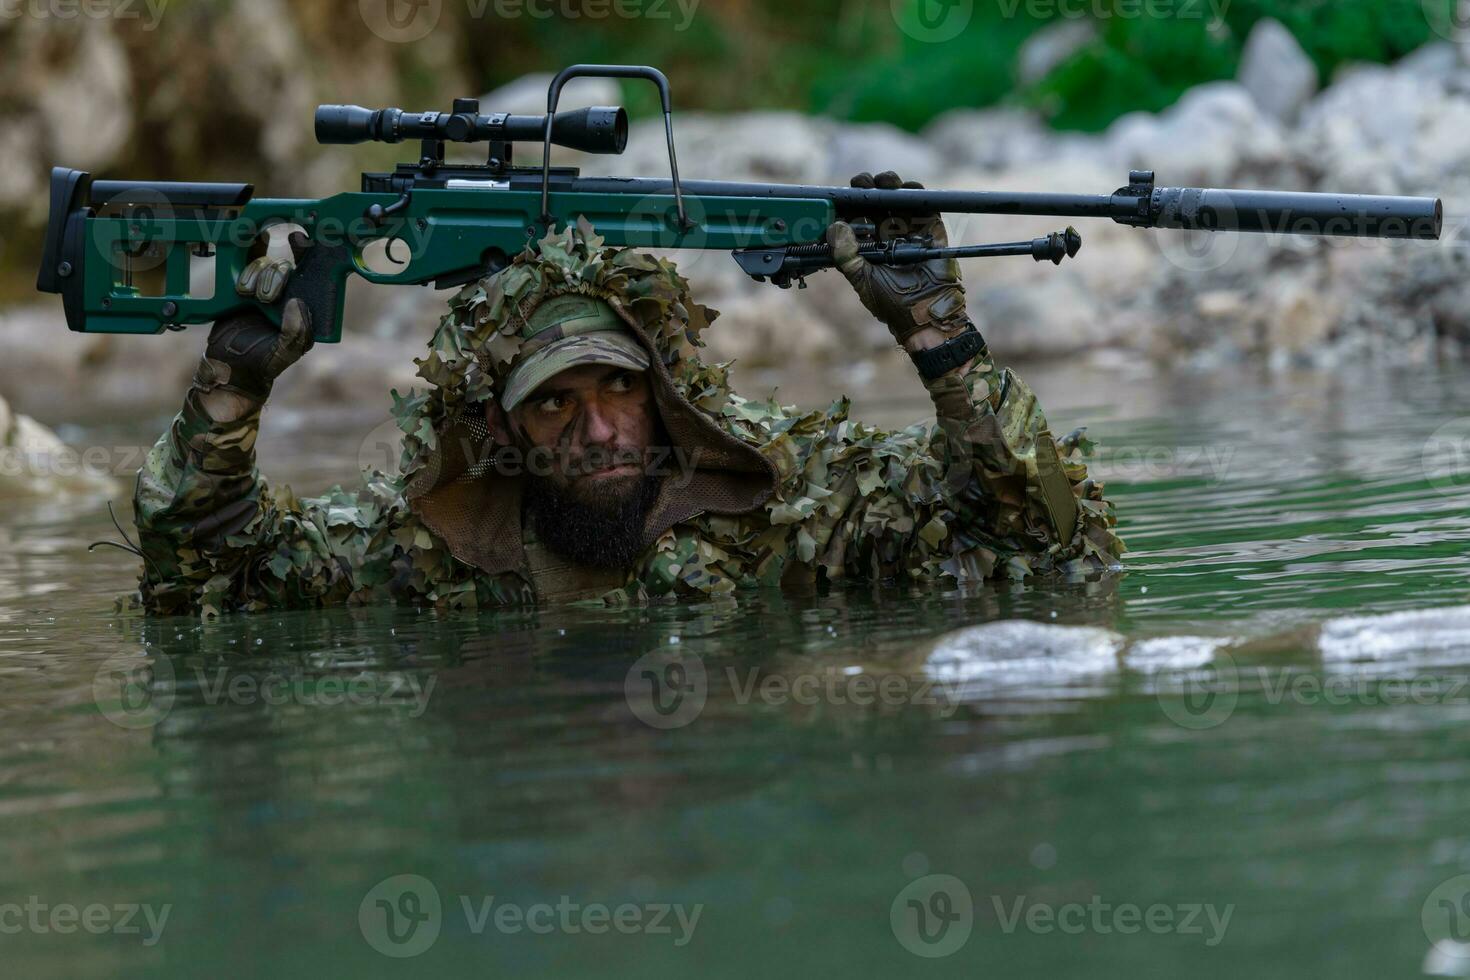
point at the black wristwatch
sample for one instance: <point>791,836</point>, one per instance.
<point>938,361</point>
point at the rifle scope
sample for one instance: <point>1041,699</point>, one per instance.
<point>596,129</point>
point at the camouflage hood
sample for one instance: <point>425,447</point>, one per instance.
<point>450,480</point>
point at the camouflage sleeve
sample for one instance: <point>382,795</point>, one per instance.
<point>983,491</point>
<point>215,537</point>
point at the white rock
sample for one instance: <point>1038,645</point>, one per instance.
<point>785,147</point>
<point>1213,132</point>
<point>1384,131</point>
<point>1276,71</point>
<point>875,147</point>
<point>1299,314</point>
<point>527,94</point>
<point>996,139</point>
<point>264,78</point>
<point>36,461</point>
<point>85,107</point>
<point>767,328</point>
<point>1435,60</point>
<point>1050,46</point>
<point>20,179</point>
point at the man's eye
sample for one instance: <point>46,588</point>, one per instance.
<point>551,405</point>
<point>622,382</point>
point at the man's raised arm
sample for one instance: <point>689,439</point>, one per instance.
<point>1007,495</point>
<point>213,535</point>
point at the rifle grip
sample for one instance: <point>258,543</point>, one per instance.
<point>320,281</point>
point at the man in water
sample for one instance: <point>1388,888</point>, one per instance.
<point>571,444</point>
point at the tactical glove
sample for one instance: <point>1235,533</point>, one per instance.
<point>907,298</point>
<point>246,352</point>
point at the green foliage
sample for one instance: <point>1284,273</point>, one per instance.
<point>1146,63</point>
<point>849,59</point>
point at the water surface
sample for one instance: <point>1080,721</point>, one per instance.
<point>1248,755</point>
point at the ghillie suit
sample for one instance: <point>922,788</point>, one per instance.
<point>759,493</point>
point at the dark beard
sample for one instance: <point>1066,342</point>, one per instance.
<point>601,529</point>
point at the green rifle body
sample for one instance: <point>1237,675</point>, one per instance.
<point>120,252</point>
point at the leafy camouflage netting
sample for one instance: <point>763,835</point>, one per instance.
<point>980,492</point>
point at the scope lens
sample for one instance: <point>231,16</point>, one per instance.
<point>344,124</point>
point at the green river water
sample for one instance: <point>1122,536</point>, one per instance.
<point>1247,756</point>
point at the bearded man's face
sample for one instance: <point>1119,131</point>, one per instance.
<point>587,434</point>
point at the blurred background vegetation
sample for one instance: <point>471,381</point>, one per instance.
<point>844,57</point>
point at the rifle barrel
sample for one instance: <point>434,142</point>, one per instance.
<point>1281,212</point>
<point>1203,208</point>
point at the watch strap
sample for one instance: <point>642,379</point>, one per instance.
<point>938,361</point>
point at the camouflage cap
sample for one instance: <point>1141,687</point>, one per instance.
<point>565,331</point>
